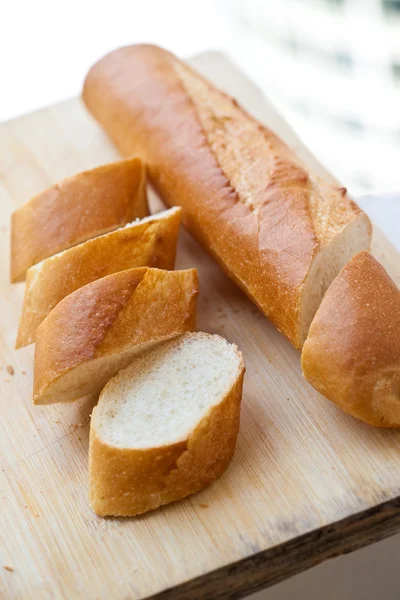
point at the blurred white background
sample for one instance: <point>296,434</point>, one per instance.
<point>332,67</point>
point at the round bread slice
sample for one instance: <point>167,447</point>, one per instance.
<point>165,426</point>
<point>94,332</point>
<point>352,352</point>
<point>149,242</point>
<point>76,209</point>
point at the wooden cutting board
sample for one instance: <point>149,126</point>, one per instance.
<point>306,483</point>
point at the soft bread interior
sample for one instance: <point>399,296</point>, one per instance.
<point>161,397</point>
<point>356,236</point>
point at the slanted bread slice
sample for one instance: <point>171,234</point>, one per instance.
<point>77,209</point>
<point>94,332</point>
<point>352,352</point>
<point>165,426</point>
<point>149,242</point>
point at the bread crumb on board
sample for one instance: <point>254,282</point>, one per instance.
<point>9,568</point>
<point>75,426</point>
<point>10,369</point>
<point>204,505</point>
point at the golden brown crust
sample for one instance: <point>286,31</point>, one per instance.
<point>352,353</point>
<point>128,482</point>
<point>244,195</point>
<point>78,208</point>
<point>151,242</point>
<point>106,318</point>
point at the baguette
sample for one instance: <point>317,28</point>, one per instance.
<point>165,426</point>
<point>94,332</point>
<point>78,208</point>
<point>149,242</point>
<point>352,353</point>
<point>278,230</point>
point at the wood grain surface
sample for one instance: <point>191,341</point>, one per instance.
<point>307,482</point>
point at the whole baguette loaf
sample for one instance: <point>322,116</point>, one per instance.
<point>94,332</point>
<point>352,353</point>
<point>165,426</point>
<point>278,230</point>
<point>76,209</point>
<point>150,242</point>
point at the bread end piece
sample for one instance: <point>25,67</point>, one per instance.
<point>76,209</point>
<point>132,481</point>
<point>352,352</point>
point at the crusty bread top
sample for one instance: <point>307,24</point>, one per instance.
<point>110,316</point>
<point>162,395</point>
<point>76,209</point>
<point>262,168</point>
<point>352,353</point>
<point>147,242</point>
<point>244,194</point>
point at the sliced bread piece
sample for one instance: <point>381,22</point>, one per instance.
<point>149,242</point>
<point>165,426</point>
<point>94,332</point>
<point>352,352</point>
<point>76,209</point>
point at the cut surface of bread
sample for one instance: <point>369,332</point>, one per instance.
<point>165,426</point>
<point>94,332</point>
<point>327,264</point>
<point>149,242</point>
<point>352,352</point>
<point>86,205</point>
<point>278,230</point>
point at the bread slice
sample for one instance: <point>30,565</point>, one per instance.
<point>94,332</point>
<point>149,242</point>
<point>352,353</point>
<point>165,426</point>
<point>76,209</point>
<point>281,232</point>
